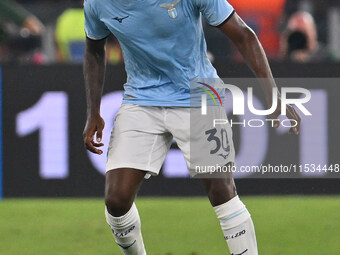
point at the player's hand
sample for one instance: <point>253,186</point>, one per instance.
<point>94,126</point>
<point>290,114</point>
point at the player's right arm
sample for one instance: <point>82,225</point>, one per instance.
<point>94,71</point>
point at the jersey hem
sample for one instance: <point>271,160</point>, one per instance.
<point>95,39</point>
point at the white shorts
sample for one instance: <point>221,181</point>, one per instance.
<point>142,136</point>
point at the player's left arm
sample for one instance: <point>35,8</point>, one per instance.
<point>251,49</point>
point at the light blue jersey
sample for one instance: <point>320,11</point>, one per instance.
<point>162,43</point>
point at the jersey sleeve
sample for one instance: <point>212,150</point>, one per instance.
<point>216,12</point>
<point>95,29</point>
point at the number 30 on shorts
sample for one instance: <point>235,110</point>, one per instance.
<point>221,141</point>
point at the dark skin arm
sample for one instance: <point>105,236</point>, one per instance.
<point>252,51</point>
<point>94,72</point>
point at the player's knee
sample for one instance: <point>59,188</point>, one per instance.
<point>231,188</point>
<point>221,192</point>
<point>228,191</point>
<point>118,203</point>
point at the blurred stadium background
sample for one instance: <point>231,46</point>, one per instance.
<point>51,189</point>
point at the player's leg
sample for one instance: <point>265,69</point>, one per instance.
<point>235,220</point>
<point>121,187</point>
<point>138,141</point>
<point>206,146</point>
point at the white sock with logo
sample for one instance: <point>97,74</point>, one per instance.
<point>237,227</point>
<point>127,231</point>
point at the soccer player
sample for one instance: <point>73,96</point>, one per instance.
<point>164,51</point>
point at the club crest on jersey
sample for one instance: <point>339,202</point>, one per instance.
<point>171,8</point>
<point>172,13</point>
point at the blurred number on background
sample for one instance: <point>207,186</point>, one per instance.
<point>50,117</point>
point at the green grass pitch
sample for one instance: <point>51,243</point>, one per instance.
<point>171,226</point>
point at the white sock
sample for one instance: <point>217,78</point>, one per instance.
<point>237,227</point>
<point>127,231</point>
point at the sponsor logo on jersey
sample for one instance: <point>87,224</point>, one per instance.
<point>120,20</point>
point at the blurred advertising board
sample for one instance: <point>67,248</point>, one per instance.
<point>43,115</point>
